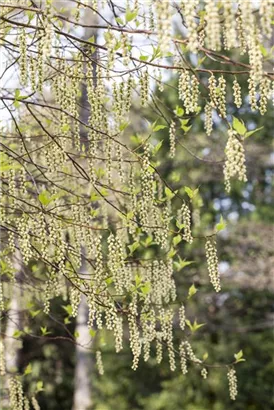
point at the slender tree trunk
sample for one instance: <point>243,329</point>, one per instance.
<point>82,399</point>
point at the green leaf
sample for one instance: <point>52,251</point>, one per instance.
<point>17,94</point>
<point>177,239</point>
<point>221,225</point>
<point>249,133</point>
<point>191,192</point>
<point>108,281</point>
<point>179,111</point>
<point>192,291</point>
<point>145,288</point>
<point>123,126</point>
<point>158,127</point>
<point>239,126</point>
<point>91,39</point>
<point>138,280</point>
<point>30,15</point>
<point>19,97</point>
<point>95,197</point>
<point>263,50</point>
<point>185,128</point>
<point>65,128</point>
<point>172,252</point>
<point>179,225</point>
<point>169,194</point>
<point>28,369</point>
<point>200,61</point>
<point>181,264</point>
<point>239,357</point>
<point>157,147</point>
<point>44,331</point>
<point>17,333</point>
<point>39,386</point>
<point>130,15</point>
<point>205,356</point>
<point>130,215</point>
<point>184,121</point>
<point>44,197</point>
<point>119,20</point>
<point>133,247</point>
<point>34,313</point>
<point>195,326</point>
<point>157,52</point>
<point>143,58</point>
<point>92,332</point>
<point>68,309</point>
<point>147,242</point>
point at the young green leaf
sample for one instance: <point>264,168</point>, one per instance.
<point>169,194</point>
<point>249,133</point>
<point>239,357</point>
<point>28,369</point>
<point>191,192</point>
<point>194,326</point>
<point>220,225</point>
<point>133,247</point>
<point>177,239</point>
<point>239,126</point>
<point>130,15</point>
<point>192,291</point>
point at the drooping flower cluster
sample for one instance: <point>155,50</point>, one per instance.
<point>189,12</point>
<point>237,93</point>
<point>232,382</point>
<point>212,263</point>
<point>264,94</point>
<point>182,318</point>
<point>208,119</point>
<point>99,362</point>
<point>16,393</point>
<point>235,159</point>
<point>172,137</point>
<point>204,373</point>
<point>187,354</point>
<point>213,28</point>
<point>186,220</point>
<point>188,90</point>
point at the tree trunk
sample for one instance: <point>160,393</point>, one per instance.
<point>82,399</point>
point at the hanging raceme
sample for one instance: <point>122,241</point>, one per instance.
<point>237,93</point>
<point>185,218</point>
<point>23,57</point>
<point>229,29</point>
<point>232,382</point>
<point>204,373</point>
<point>208,119</point>
<point>235,159</point>
<point>212,263</point>
<point>190,10</point>
<point>172,138</point>
<point>99,362</point>
<point>16,393</point>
